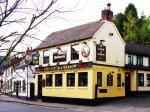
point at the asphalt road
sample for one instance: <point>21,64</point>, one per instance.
<point>16,107</point>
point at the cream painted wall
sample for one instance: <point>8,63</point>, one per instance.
<point>67,48</point>
<point>115,46</point>
<point>145,87</point>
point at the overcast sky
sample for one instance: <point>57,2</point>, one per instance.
<point>86,11</point>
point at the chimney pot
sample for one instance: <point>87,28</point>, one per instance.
<point>107,14</point>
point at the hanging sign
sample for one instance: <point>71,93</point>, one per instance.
<point>85,51</point>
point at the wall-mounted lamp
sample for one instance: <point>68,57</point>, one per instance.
<point>84,43</point>
<point>102,41</point>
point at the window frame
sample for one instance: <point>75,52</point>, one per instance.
<point>99,76</point>
<point>130,59</point>
<point>57,78</point>
<point>139,81</point>
<point>46,57</point>
<point>118,79</point>
<point>77,52</point>
<point>23,85</point>
<point>50,79</point>
<point>71,79</point>
<point>80,82</point>
<point>139,60</point>
<point>148,79</point>
<point>109,82</point>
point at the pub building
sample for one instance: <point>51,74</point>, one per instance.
<point>84,62</point>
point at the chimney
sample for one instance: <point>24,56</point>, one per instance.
<point>107,14</point>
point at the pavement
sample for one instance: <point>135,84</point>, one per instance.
<point>130,104</point>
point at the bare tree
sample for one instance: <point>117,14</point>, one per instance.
<point>26,15</point>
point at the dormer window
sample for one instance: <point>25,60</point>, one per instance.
<point>75,52</point>
<point>45,57</point>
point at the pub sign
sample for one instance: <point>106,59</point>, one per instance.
<point>59,56</point>
<point>100,52</point>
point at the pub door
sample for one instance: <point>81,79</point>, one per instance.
<point>39,86</point>
<point>127,84</point>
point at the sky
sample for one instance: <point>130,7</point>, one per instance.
<point>85,11</point>
<point>81,12</point>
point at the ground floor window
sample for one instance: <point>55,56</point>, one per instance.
<point>140,79</point>
<point>118,80</point>
<point>49,79</point>
<point>148,79</point>
<point>70,79</point>
<point>23,85</point>
<point>83,79</point>
<point>109,79</point>
<point>99,79</point>
<point>58,80</point>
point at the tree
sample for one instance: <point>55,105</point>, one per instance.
<point>144,32</point>
<point>130,29</point>
<point>132,10</point>
<point>26,15</point>
<point>119,20</point>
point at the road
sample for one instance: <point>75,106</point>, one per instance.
<point>16,107</point>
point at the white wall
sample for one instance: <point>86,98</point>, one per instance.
<point>115,46</point>
<point>20,75</point>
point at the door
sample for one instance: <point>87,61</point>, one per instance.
<point>127,84</point>
<point>32,91</point>
<point>39,86</point>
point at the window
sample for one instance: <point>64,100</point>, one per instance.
<point>83,79</point>
<point>140,79</point>
<point>118,80</point>
<point>148,79</point>
<point>130,59</point>
<point>99,78</point>
<point>23,85</point>
<point>74,52</point>
<point>110,34</point>
<point>19,86</point>
<point>70,79</point>
<point>45,57</point>
<point>109,79</point>
<point>149,61</point>
<point>139,60</point>
<point>58,79</point>
<point>49,79</point>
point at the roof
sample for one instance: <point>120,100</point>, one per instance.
<point>138,49</point>
<point>77,33</point>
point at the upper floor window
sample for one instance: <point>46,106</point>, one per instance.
<point>130,59</point>
<point>148,61</point>
<point>139,60</point>
<point>140,79</point>
<point>45,57</point>
<point>75,52</point>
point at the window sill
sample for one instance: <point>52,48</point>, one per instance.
<point>73,87</point>
<point>49,87</point>
<point>82,87</point>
